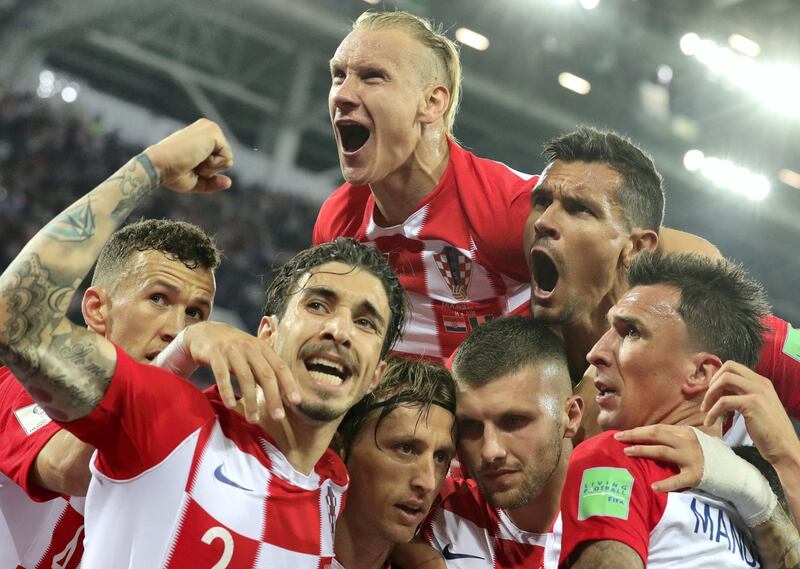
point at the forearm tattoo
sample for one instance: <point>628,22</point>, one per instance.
<point>778,541</point>
<point>134,186</point>
<point>61,365</point>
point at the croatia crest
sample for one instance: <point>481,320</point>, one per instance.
<point>456,268</point>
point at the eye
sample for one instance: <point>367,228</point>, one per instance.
<point>469,429</point>
<point>158,298</point>
<point>366,323</point>
<point>405,449</point>
<point>195,313</point>
<point>372,75</point>
<point>513,422</point>
<point>316,306</point>
<point>442,457</point>
<point>337,76</point>
<point>631,331</point>
<point>540,200</point>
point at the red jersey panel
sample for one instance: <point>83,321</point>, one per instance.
<point>472,533</point>
<point>459,254</point>
<point>607,496</point>
<point>780,361</point>
<point>38,529</point>
<point>198,484</point>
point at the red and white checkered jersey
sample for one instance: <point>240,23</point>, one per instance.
<point>607,496</point>
<point>38,529</point>
<point>471,533</point>
<point>459,254</point>
<point>180,482</point>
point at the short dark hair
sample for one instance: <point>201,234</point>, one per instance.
<point>349,252</point>
<point>405,382</point>
<point>720,304</point>
<point>179,240</point>
<point>641,191</point>
<point>503,346</point>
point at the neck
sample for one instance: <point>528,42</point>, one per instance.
<point>357,547</point>
<point>301,440</point>
<point>398,195</point>
<point>690,415</point>
<point>538,514</point>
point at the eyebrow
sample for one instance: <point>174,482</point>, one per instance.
<point>612,318</point>
<point>176,290</point>
<point>330,294</point>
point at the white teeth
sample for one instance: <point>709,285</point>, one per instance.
<point>325,378</point>
<point>322,361</point>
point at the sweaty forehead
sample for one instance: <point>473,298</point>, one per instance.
<point>657,302</point>
<point>595,178</point>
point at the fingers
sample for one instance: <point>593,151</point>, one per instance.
<point>684,479</point>
<point>242,369</point>
<point>280,381</point>
<point>219,367</point>
<point>723,405</point>
<point>657,452</point>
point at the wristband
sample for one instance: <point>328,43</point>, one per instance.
<point>731,478</point>
<point>175,358</point>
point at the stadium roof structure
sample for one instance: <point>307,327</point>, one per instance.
<point>260,68</point>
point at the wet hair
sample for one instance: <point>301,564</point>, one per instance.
<point>503,346</point>
<point>640,193</point>
<point>444,50</point>
<point>720,304</point>
<point>349,252</point>
<point>178,240</point>
<point>405,382</point>
<point>753,456</point>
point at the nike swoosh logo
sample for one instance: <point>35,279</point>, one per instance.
<point>225,480</point>
<point>450,555</point>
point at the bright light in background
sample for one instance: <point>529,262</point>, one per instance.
<point>744,45</point>
<point>689,43</point>
<point>372,1</point>
<point>775,85</point>
<point>790,178</point>
<point>574,83</point>
<point>693,160</point>
<point>727,175</point>
<point>47,84</point>
<point>69,94</point>
<point>664,74</point>
<point>472,39</point>
<point>589,4</point>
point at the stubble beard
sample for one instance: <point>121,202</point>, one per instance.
<point>535,479</point>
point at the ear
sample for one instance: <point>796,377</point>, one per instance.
<point>267,327</point>
<point>377,376</point>
<point>705,365</point>
<point>434,104</point>
<point>574,410</point>
<point>640,240</point>
<point>95,306</point>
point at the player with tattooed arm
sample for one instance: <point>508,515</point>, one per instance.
<point>200,484</point>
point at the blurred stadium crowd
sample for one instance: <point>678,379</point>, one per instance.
<point>49,158</point>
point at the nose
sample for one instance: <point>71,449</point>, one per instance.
<point>344,95</point>
<point>600,354</point>
<point>545,225</point>
<point>491,449</point>
<point>338,329</point>
<point>424,478</point>
<point>172,323</point>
